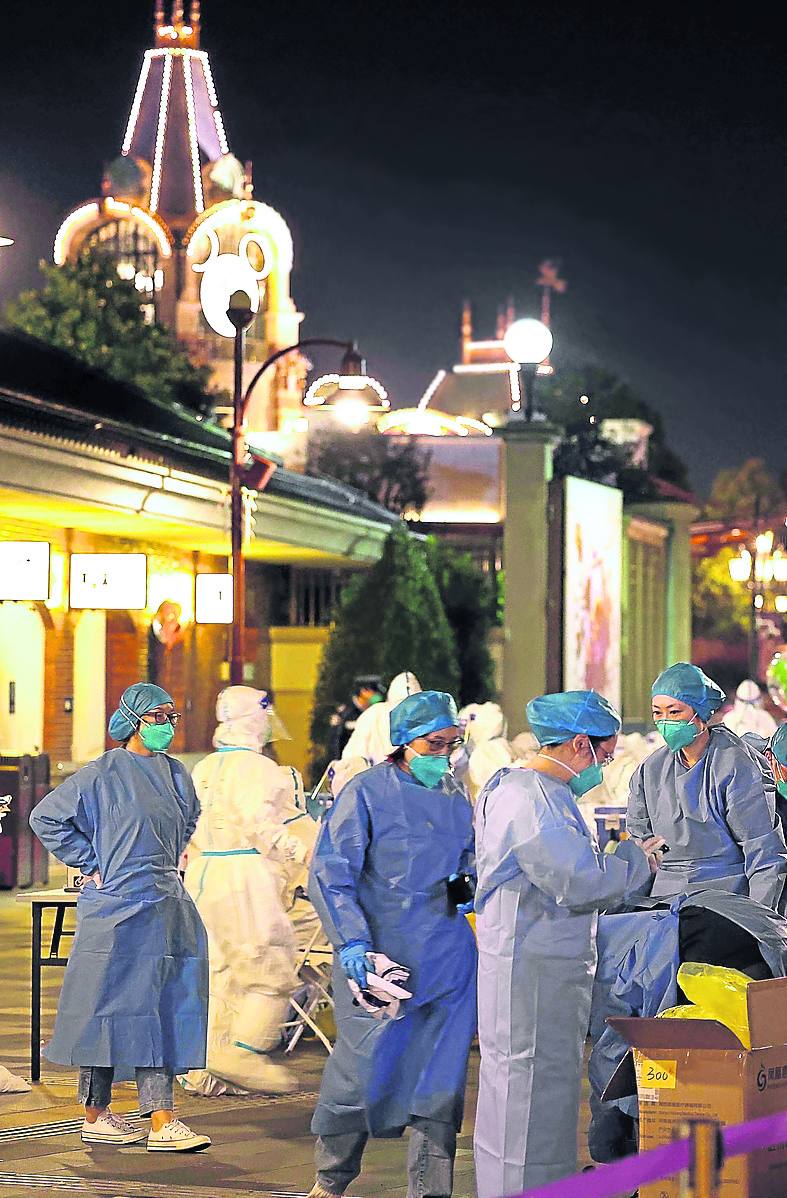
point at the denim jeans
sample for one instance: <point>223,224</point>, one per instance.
<point>430,1159</point>
<point>154,1086</point>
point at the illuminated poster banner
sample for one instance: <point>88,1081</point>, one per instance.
<point>592,586</point>
<point>24,570</point>
<point>214,599</point>
<point>109,581</point>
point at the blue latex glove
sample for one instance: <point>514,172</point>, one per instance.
<point>352,957</point>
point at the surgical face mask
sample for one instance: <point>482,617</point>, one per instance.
<point>428,770</point>
<point>156,737</point>
<point>586,779</point>
<point>678,733</point>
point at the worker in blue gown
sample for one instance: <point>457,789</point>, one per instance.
<point>542,880</point>
<point>395,838</point>
<point>709,795</point>
<point>134,1001</point>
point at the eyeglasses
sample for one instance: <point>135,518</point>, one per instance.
<point>162,717</point>
<point>437,743</point>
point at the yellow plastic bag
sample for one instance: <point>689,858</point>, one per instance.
<point>716,993</point>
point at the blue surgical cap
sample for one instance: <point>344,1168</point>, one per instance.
<point>135,701</point>
<point>554,719</point>
<point>778,745</point>
<point>420,714</point>
<point>690,685</point>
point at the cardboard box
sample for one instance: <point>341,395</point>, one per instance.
<point>698,1069</point>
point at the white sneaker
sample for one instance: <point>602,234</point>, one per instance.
<point>176,1137</point>
<point>110,1128</point>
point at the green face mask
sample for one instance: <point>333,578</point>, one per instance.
<point>429,771</point>
<point>678,733</point>
<point>156,737</point>
<point>782,788</point>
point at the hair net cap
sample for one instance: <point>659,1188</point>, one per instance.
<point>554,719</point>
<point>692,686</point>
<point>748,691</point>
<point>778,744</point>
<point>136,701</point>
<point>420,714</point>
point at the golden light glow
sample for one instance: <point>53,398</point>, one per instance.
<point>740,567</point>
<point>327,386</point>
<point>457,515</point>
<point>58,596</point>
<point>764,542</point>
<point>87,216</point>
<point>171,583</point>
<point>429,422</point>
<point>75,220</point>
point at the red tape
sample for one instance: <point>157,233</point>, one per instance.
<point>622,1178</point>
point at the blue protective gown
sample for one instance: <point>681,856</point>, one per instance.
<point>637,973</point>
<point>135,991</point>
<point>542,880</point>
<point>379,872</point>
<point>718,818</point>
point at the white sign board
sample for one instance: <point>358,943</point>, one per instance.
<point>24,570</point>
<point>109,581</point>
<point>214,599</point>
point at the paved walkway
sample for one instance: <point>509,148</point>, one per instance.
<point>260,1145</point>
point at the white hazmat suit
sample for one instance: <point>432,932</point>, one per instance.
<point>239,883</point>
<point>747,713</point>
<point>487,747</point>
<point>371,737</point>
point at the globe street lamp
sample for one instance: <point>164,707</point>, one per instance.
<point>352,387</point>
<point>528,342</point>
<point>758,568</point>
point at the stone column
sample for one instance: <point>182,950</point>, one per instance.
<point>527,472</point>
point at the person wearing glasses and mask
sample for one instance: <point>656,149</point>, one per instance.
<point>710,795</point>
<point>383,881</point>
<point>134,1001</point>
<point>542,881</point>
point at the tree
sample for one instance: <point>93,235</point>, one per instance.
<point>609,398</point>
<point>393,471</point>
<point>745,491</point>
<point>390,619</point>
<point>470,599</point>
<point>720,607</point>
<point>87,310</point>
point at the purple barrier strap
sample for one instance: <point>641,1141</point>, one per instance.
<point>622,1178</point>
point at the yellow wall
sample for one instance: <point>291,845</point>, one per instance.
<point>295,661</point>
<point>21,663</point>
<point>90,663</point>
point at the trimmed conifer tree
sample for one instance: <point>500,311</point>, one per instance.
<point>391,618</point>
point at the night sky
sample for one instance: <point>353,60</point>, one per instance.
<point>424,153</point>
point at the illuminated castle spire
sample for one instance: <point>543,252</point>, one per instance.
<point>175,128</point>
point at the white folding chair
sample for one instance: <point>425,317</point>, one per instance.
<point>314,975</point>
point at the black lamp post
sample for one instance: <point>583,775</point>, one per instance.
<point>241,315</point>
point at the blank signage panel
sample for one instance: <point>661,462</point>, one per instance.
<point>109,581</point>
<point>214,599</point>
<point>24,570</point>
